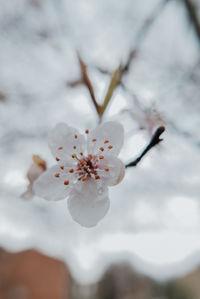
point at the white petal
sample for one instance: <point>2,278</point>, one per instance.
<point>63,137</point>
<point>53,188</point>
<point>116,170</point>
<point>87,204</point>
<point>112,131</point>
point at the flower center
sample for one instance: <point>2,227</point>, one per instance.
<point>86,166</point>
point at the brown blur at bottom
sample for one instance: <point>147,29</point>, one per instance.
<point>32,275</point>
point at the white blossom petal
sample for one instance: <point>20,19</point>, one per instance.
<point>87,203</point>
<point>50,187</point>
<point>64,141</point>
<point>111,171</point>
<point>109,131</point>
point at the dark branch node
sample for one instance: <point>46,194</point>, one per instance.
<point>155,139</point>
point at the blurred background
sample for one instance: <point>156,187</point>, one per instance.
<point>148,245</point>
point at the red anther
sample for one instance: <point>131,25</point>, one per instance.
<point>57,159</point>
<point>87,167</point>
<point>101,149</point>
<point>75,136</point>
<point>86,131</point>
<point>57,175</point>
<point>62,167</point>
<point>106,141</point>
<point>101,157</point>
<point>60,148</point>
<point>110,146</point>
<point>106,169</point>
<point>66,182</point>
<point>94,139</point>
<point>84,178</point>
<point>71,170</point>
<point>97,177</point>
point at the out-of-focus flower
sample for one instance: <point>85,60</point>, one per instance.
<point>147,118</point>
<point>85,168</point>
<point>36,169</point>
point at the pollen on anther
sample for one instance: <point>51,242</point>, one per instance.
<point>101,149</point>
<point>73,155</point>
<point>74,147</point>
<point>94,139</point>
<point>57,159</point>
<point>62,167</point>
<point>60,148</point>
<point>81,153</point>
<point>90,156</point>
<point>66,182</point>
<point>101,157</point>
<point>84,178</point>
<point>71,170</point>
<point>57,175</point>
<point>106,141</point>
<point>110,146</point>
<point>75,136</point>
<point>106,169</point>
<point>86,131</point>
<point>97,177</point>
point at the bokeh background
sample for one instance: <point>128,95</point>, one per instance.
<point>148,245</point>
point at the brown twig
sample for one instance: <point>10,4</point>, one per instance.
<point>87,82</point>
<point>154,141</point>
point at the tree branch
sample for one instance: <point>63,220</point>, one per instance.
<point>193,16</point>
<point>154,141</point>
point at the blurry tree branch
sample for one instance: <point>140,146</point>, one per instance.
<point>193,16</point>
<point>116,76</point>
<point>154,141</point>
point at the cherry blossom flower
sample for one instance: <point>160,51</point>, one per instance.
<point>36,169</point>
<point>86,165</point>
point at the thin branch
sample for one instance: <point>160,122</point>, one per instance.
<point>114,82</point>
<point>154,141</point>
<point>88,83</point>
<point>193,16</point>
<point>142,33</point>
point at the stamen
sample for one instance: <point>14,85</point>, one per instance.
<point>71,170</point>
<point>101,149</point>
<point>62,167</point>
<point>87,166</point>
<point>66,182</point>
<point>84,178</point>
<point>106,141</point>
<point>106,169</point>
<point>75,136</point>
<point>86,131</point>
<point>90,156</point>
<point>101,157</point>
<point>81,153</point>
<point>60,148</point>
<point>73,156</point>
<point>74,147</point>
<point>94,139</point>
<point>110,146</point>
<point>57,175</point>
<point>97,177</point>
<point>57,159</point>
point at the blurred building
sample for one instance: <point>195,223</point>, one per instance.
<point>32,275</point>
